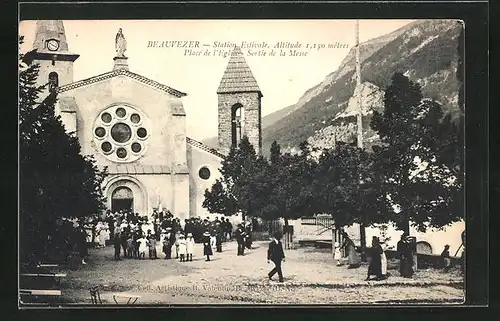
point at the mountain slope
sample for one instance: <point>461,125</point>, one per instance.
<point>425,50</point>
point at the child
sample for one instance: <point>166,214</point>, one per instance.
<point>207,248</point>
<point>337,254</point>
<point>130,247</point>
<point>182,248</point>
<point>177,237</point>
<point>143,247</point>
<point>189,247</point>
<point>152,246</point>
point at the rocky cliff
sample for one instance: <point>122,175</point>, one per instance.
<point>425,51</point>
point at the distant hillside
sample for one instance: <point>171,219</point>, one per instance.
<point>426,51</point>
<point>270,119</point>
<point>267,121</point>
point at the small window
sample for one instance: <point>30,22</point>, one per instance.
<point>53,81</point>
<point>204,173</point>
<point>135,118</point>
<point>121,112</point>
<point>100,132</point>
<point>121,152</point>
<point>106,147</point>
<point>136,147</point>
<point>142,132</point>
<point>106,117</point>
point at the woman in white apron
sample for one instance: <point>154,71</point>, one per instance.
<point>383,259</point>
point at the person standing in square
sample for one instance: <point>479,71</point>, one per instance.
<point>207,249</point>
<point>276,254</point>
<point>152,246</point>
<point>189,247</point>
<point>337,254</point>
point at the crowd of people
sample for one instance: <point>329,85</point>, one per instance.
<point>347,251</point>
<point>140,237</point>
<point>135,236</point>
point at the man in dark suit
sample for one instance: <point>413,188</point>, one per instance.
<point>239,234</point>
<point>275,253</point>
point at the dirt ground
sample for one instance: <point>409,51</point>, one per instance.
<point>311,277</point>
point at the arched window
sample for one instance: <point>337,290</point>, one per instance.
<point>237,124</point>
<point>53,80</point>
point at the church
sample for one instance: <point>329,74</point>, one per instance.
<point>136,127</point>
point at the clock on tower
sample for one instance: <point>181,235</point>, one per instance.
<point>52,44</point>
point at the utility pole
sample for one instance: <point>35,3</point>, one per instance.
<point>362,232</point>
<point>358,86</point>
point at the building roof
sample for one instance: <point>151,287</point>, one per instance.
<point>238,77</point>
<point>144,169</point>
<point>204,147</point>
<point>121,72</point>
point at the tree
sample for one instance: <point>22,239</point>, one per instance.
<point>415,141</point>
<point>226,195</point>
<point>55,179</point>
<point>290,184</point>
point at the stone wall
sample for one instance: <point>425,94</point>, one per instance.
<point>198,159</point>
<point>166,144</point>
<point>251,103</point>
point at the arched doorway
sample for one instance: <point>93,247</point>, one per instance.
<point>424,248</point>
<point>122,198</point>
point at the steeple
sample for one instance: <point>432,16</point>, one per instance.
<point>239,98</point>
<point>50,30</point>
<point>238,77</point>
<point>52,54</point>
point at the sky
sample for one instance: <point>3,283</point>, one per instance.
<point>282,80</point>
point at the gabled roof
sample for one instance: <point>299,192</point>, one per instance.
<point>204,147</point>
<point>238,77</point>
<point>121,72</point>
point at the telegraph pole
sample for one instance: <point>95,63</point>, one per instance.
<point>362,232</point>
<point>358,86</point>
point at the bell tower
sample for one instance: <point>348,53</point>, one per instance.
<point>52,54</point>
<point>239,98</point>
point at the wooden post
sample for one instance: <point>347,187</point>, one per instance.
<point>334,239</point>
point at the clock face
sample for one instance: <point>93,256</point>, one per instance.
<point>53,45</point>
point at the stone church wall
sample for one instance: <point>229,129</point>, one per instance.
<point>198,159</point>
<point>94,98</point>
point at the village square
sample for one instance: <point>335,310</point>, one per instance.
<point>120,205</point>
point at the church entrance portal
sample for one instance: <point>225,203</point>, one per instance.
<point>122,199</point>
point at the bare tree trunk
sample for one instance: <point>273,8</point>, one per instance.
<point>362,235</point>
<point>286,234</point>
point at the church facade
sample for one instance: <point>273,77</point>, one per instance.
<point>136,127</point>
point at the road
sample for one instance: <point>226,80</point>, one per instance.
<point>311,277</point>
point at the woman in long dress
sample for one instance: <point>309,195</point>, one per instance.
<point>383,259</point>
<point>406,257</point>
<point>350,249</point>
<point>375,267</point>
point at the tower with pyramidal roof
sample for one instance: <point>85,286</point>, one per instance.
<point>239,104</point>
<point>52,54</point>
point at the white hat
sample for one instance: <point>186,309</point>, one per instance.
<point>337,244</point>
<point>190,234</point>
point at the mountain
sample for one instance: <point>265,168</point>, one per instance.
<point>425,51</point>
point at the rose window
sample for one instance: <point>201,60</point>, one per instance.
<point>121,133</point>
